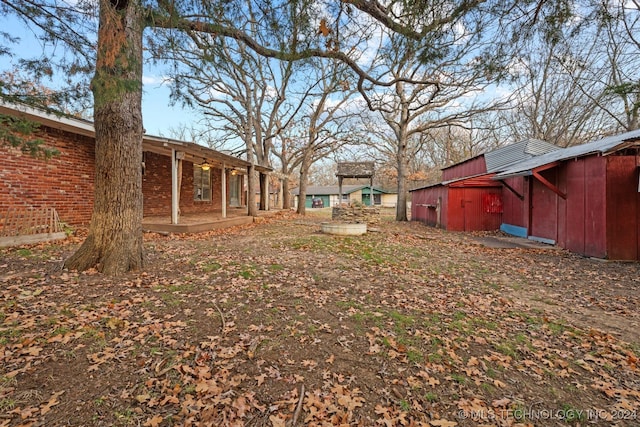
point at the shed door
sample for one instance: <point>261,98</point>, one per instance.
<point>475,209</point>
<point>482,209</point>
<point>544,208</point>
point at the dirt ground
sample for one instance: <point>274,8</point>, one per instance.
<point>276,324</point>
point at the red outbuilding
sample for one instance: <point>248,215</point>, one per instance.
<point>469,199</point>
<point>584,198</point>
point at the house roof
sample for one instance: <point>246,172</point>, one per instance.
<point>327,190</point>
<point>603,146</point>
<point>499,158</point>
<point>156,144</point>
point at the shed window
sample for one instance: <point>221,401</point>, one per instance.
<point>201,184</point>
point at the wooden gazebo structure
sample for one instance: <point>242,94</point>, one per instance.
<point>355,170</point>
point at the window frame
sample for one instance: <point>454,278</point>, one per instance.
<point>201,184</point>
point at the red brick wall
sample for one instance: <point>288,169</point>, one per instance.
<point>64,182</point>
<point>156,188</point>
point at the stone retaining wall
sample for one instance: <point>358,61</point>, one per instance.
<point>356,214</point>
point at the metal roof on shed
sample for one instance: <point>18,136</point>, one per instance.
<point>603,146</point>
<point>497,159</point>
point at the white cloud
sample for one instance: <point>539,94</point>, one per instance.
<point>155,80</point>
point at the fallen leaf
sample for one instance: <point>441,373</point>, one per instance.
<point>153,421</point>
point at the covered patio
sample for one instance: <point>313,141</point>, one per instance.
<point>184,216</point>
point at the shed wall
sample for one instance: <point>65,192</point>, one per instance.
<point>471,167</point>
<point>429,196</point>
<point>623,202</point>
<point>544,207</point>
<point>514,207</point>
<point>576,207</point>
<point>595,217</point>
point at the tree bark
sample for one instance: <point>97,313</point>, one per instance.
<point>401,208</point>
<point>403,167</point>
<point>264,191</point>
<point>251,191</point>
<point>286,196</point>
<point>114,244</point>
<point>304,176</point>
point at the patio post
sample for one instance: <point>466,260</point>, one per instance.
<point>176,158</point>
<point>224,191</point>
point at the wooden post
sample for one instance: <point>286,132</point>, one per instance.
<point>224,191</point>
<point>176,157</point>
<point>371,191</point>
<point>267,202</point>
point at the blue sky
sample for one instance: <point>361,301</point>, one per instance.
<point>158,116</point>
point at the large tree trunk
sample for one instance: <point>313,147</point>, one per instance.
<point>304,176</point>
<point>114,243</point>
<point>251,191</point>
<point>401,207</point>
<point>264,191</point>
<point>286,195</point>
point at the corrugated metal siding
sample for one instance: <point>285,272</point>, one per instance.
<point>562,206</point>
<point>601,214</point>
<point>595,207</point>
<point>575,212</point>
<point>544,208</point>
<point>423,204</point>
<point>622,207</point>
<point>455,211</point>
<point>473,166</point>
<point>514,207</point>
<point>536,147</point>
<point>516,152</point>
<point>474,209</point>
<point>605,145</point>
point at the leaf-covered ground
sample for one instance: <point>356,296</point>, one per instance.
<point>276,324</point>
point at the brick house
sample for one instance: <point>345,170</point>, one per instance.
<point>179,178</point>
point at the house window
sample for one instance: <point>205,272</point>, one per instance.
<point>201,184</point>
<point>377,199</point>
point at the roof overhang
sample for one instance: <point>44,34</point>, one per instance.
<point>193,152</point>
<point>526,172</point>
